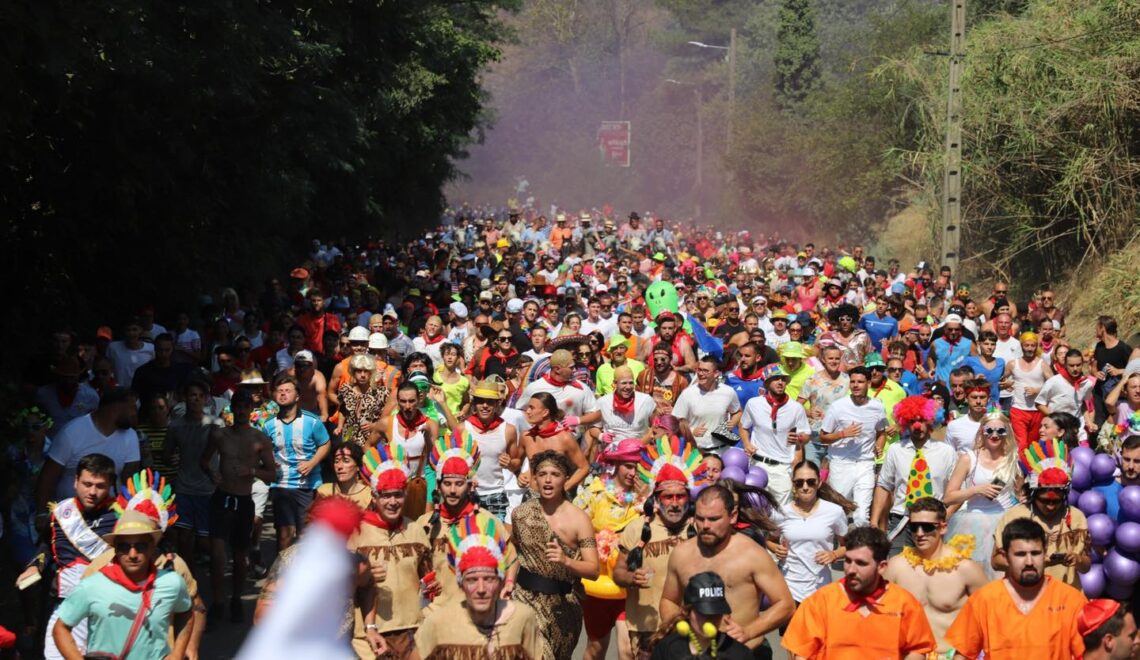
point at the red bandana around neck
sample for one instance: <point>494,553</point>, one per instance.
<point>550,430</point>
<point>485,428</point>
<point>623,406</point>
<point>411,427</point>
<point>756,374</point>
<point>430,341</point>
<point>871,600</point>
<point>776,404</point>
<point>448,519</point>
<point>376,520</point>
<point>550,378</point>
<point>114,572</point>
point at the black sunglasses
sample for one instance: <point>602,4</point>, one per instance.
<point>123,547</point>
<point>800,483</point>
<point>924,527</point>
<point>481,401</point>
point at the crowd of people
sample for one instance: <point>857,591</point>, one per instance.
<point>665,438</point>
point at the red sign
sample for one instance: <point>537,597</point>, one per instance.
<point>613,141</point>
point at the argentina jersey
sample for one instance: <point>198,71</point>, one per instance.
<point>293,444</point>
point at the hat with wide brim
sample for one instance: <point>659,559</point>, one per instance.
<point>134,523</point>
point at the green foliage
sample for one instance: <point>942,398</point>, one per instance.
<point>154,150</point>
<point>797,53</point>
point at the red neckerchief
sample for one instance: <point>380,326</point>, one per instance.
<point>505,356</point>
<point>551,429</point>
<point>871,600</point>
<point>1069,378</point>
<point>411,427</point>
<point>756,374</point>
<point>953,344</point>
<point>430,342</point>
<point>374,519</point>
<point>114,573</point>
<point>623,406</point>
<point>878,390</point>
<point>775,404</point>
<point>478,424</point>
<point>448,519</point>
<point>550,378</point>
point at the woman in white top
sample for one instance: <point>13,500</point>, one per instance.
<point>984,484</point>
<point>812,527</point>
<point>1029,373</point>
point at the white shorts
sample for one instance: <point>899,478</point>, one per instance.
<point>854,480</point>
<point>260,494</point>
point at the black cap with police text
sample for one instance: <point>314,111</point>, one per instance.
<point>705,594</point>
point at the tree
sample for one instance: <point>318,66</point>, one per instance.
<point>797,53</point>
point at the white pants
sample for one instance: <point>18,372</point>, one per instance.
<point>78,633</point>
<point>779,481</point>
<point>854,480</point>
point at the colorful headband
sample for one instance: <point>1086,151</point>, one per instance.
<point>148,493</point>
<point>671,459</point>
<point>385,467</point>
<point>456,453</point>
<point>477,542</point>
<point>1047,463</point>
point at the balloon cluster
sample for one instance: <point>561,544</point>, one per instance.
<point>1116,543</point>
<point>737,468</point>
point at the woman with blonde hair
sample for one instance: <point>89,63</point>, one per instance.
<point>362,403</point>
<point>1029,373</point>
<point>984,485</point>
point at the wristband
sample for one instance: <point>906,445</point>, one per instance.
<point>371,626</point>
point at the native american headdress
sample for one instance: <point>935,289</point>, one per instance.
<point>1047,464</point>
<point>147,492</point>
<point>456,453</point>
<point>385,467</point>
<point>477,542</point>
<point>669,458</point>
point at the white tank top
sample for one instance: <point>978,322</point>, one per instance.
<point>491,445</point>
<point>980,475</point>
<point>413,446</point>
<point>1022,379</point>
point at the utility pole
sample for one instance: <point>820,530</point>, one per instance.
<point>952,181</point>
<point>731,88</point>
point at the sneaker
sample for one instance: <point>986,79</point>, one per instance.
<point>237,611</point>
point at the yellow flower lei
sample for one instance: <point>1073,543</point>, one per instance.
<point>962,546</point>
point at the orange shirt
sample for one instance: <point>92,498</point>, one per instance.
<point>991,622</point>
<point>822,629</point>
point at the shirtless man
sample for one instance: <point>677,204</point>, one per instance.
<point>312,385</point>
<point>747,569</point>
<point>244,453</point>
<point>940,576</point>
<point>546,433</point>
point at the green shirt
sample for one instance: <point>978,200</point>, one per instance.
<point>605,376</point>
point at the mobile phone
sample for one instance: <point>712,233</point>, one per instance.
<point>1057,557</point>
<point>998,482</point>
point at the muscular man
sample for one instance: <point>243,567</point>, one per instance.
<point>862,615</point>
<point>940,575</point>
<point>747,569</point>
<point>245,454</point>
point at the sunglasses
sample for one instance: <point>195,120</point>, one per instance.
<point>479,401</point>
<point>924,527</point>
<point>583,354</point>
<point>895,370</point>
<point>123,547</point>
<point>1001,431</point>
<point>800,483</point>
<point>504,338</point>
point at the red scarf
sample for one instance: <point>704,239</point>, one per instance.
<point>550,430</point>
<point>623,406</point>
<point>1069,378</point>
<point>410,428</point>
<point>376,520</point>
<point>871,600</point>
<point>756,374</point>
<point>429,341</point>
<point>448,519</point>
<point>550,378</point>
<point>114,573</point>
<point>775,404</point>
<point>478,424</point>
<point>880,388</point>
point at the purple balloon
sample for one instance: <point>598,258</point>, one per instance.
<point>1074,497</point>
<point>732,473</point>
<point>1120,568</point>
<point>1092,502</point>
<point>696,490</point>
<point>1101,529</point>
<point>1082,477</point>
<point>735,457</point>
<point>1118,590</point>
<point>1082,455</point>
<point>1102,468</point>
<point>757,477</point>
<point>1129,498</point>
<point>1128,536</point>
<point>1093,582</point>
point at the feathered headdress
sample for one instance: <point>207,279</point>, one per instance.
<point>456,453</point>
<point>1047,463</point>
<point>385,467</point>
<point>477,542</point>
<point>147,492</point>
<point>913,410</point>
<point>669,458</point>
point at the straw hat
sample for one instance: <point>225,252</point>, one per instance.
<point>134,523</point>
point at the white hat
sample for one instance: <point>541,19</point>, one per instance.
<point>484,283</point>
<point>486,295</point>
<point>304,355</point>
<point>952,318</point>
<point>758,299</point>
<point>601,288</point>
<point>377,341</point>
<point>809,272</point>
<point>423,273</point>
<point>514,305</point>
<point>358,334</point>
<point>459,309</point>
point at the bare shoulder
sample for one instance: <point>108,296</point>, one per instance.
<point>895,567</point>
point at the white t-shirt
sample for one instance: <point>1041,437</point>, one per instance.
<point>805,538</point>
<point>961,433</point>
<point>602,325</point>
<point>773,443</point>
<point>841,414</point>
<point>572,399</point>
<point>633,426</point>
<point>940,457</point>
<point>80,438</point>
<point>1060,396</point>
<point>707,409</point>
<point>127,360</point>
<point>191,342</point>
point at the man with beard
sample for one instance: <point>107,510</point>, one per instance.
<point>862,615</point>
<point>853,341</point>
<point>939,574</point>
<point>774,427</point>
<point>730,330</point>
<point>854,431</point>
<point>747,569</point>
<point>481,624</point>
<point>747,380</point>
<point>316,321</point>
<point>647,542</point>
<point>662,381</point>
<point>498,443</point>
<point>681,354</point>
<point>398,556</point>
<point>1026,614</point>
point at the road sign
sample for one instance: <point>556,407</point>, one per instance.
<point>614,143</point>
